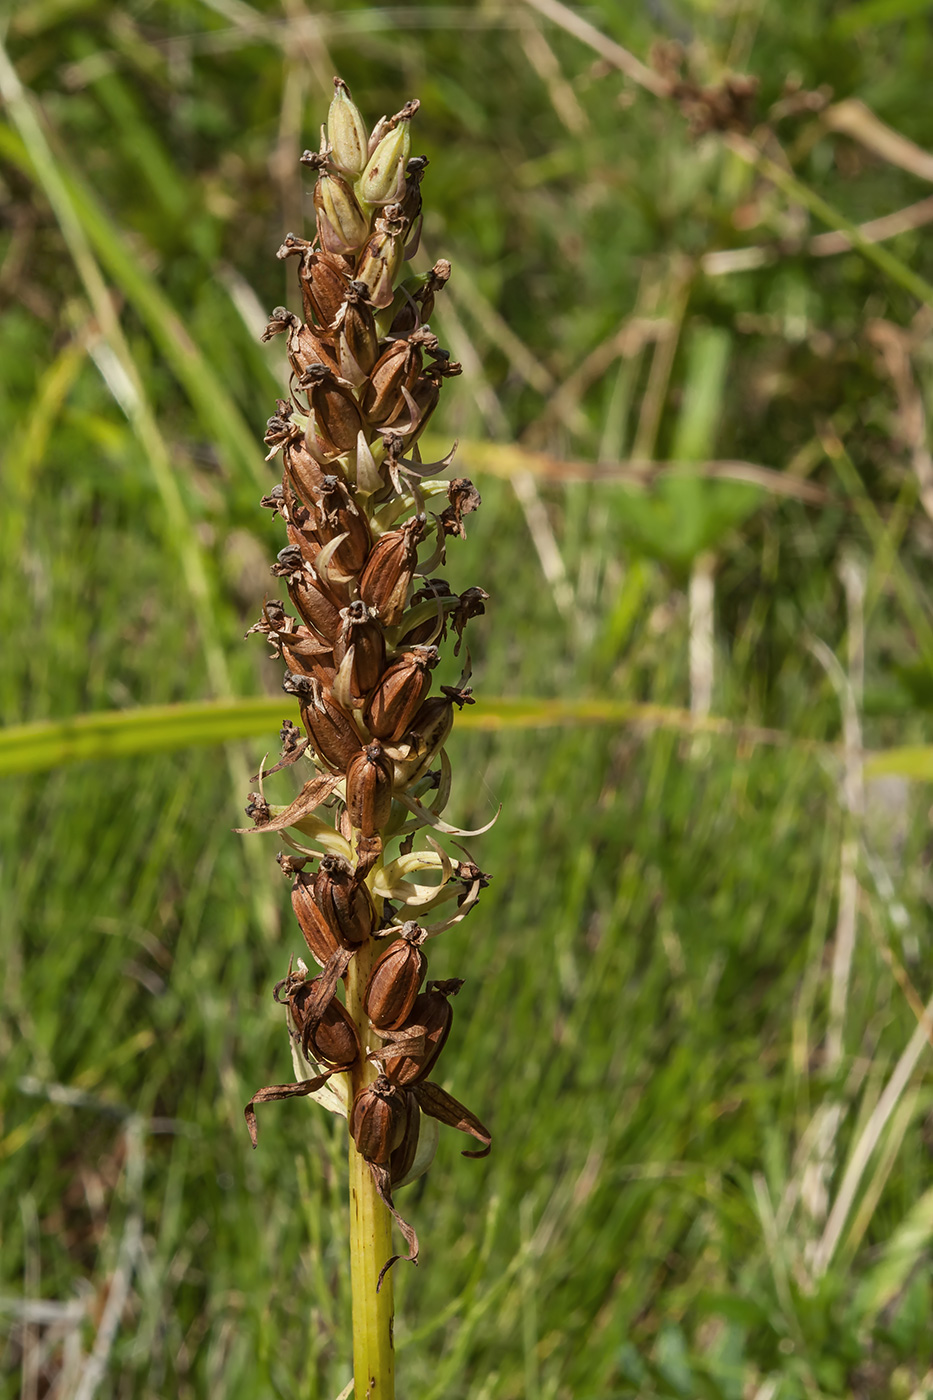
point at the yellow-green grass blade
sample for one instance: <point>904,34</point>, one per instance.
<point>913,761</point>
<point>45,744</point>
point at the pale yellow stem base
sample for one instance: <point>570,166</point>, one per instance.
<point>370,1229</point>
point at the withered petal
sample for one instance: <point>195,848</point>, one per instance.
<point>282,1091</point>
<point>314,792</point>
<point>383,1182</point>
<point>437,1103</point>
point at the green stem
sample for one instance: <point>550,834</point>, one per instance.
<point>370,1225</point>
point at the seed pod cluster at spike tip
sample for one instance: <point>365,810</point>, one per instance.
<point>366,523</point>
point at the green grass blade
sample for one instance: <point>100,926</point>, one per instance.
<point>32,748</point>
<point>215,408</point>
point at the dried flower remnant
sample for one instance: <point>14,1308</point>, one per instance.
<point>355,498</point>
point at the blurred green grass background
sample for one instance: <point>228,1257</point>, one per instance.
<point>694,1005</point>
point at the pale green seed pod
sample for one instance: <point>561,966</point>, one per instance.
<point>341,223</point>
<point>383,180</point>
<point>346,132</point>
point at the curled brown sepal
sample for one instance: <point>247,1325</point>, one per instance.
<point>314,792</point>
<point>464,498</point>
<point>293,746</point>
<point>437,1103</point>
<point>383,1181</point>
<point>282,1091</point>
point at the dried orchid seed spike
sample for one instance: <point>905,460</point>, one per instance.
<point>367,372</point>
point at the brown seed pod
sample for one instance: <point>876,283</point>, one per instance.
<point>396,699</point>
<point>323,278</point>
<point>333,1040</point>
<point>305,345</point>
<point>327,1032</point>
<point>389,569</point>
<point>369,790</point>
<point>403,1158</point>
<point>398,365</point>
<point>302,471</point>
<point>332,732</point>
<point>337,514</point>
<point>304,652</point>
<point>429,731</point>
<point>396,979</point>
<point>315,608</point>
<point>378,1120</point>
<point>356,340</point>
<point>361,633</point>
<point>316,928</point>
<point>337,421</point>
<point>433,1011</point>
<point>344,901</point>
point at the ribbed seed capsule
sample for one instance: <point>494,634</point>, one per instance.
<point>398,366</point>
<point>337,514</point>
<point>336,419</point>
<point>341,223</point>
<point>355,334</point>
<point>332,732</point>
<point>305,346</point>
<point>432,1010</point>
<point>303,652</point>
<point>360,631</point>
<point>344,901</point>
<point>389,570</point>
<point>382,257</point>
<point>403,1158</point>
<point>397,697</point>
<point>429,731</point>
<point>329,1034</point>
<point>369,790</point>
<point>396,979</point>
<point>378,1120</point>
<point>318,934</point>
<point>322,276</point>
<point>383,180</point>
<point>302,471</point>
<point>317,610</point>
<point>346,132</point>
